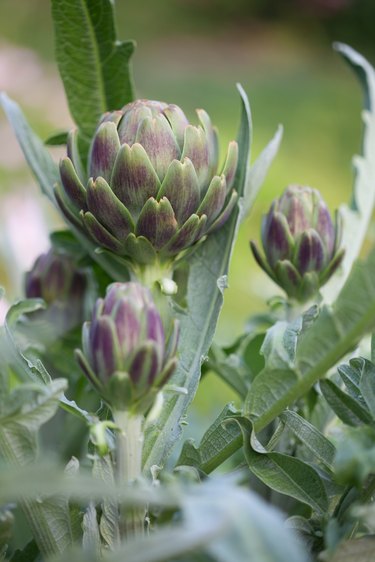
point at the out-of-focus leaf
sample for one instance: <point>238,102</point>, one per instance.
<point>355,456</point>
<point>360,550</point>
<point>57,139</point>
<point>357,215</point>
<point>38,158</point>
<point>219,518</point>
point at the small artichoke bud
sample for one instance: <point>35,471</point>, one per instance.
<point>152,188</point>
<point>56,279</point>
<point>301,242</point>
<point>128,354</point>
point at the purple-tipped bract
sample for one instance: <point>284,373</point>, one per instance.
<point>126,348</point>
<point>152,187</point>
<point>301,242</point>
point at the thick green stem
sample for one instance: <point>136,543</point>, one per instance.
<point>129,466</point>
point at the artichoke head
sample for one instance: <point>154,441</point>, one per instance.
<point>301,242</point>
<point>128,353</point>
<point>57,280</point>
<point>152,189</point>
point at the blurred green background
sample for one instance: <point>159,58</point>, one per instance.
<point>192,52</point>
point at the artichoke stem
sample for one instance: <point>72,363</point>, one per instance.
<point>159,274</point>
<point>129,467</point>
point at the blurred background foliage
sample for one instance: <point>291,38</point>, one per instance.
<point>192,52</point>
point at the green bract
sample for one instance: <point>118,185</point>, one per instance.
<point>300,242</point>
<point>152,189</point>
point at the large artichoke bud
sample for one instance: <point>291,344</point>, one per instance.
<point>128,354</point>
<point>301,242</point>
<point>152,188</point>
<point>56,279</point>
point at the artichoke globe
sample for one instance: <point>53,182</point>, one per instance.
<point>128,352</point>
<point>301,242</point>
<point>152,189</point>
<point>55,278</point>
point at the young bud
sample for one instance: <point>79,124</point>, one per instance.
<point>56,279</point>
<point>127,352</point>
<point>301,242</point>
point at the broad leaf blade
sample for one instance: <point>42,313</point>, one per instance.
<point>94,66</point>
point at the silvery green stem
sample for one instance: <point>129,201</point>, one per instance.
<point>129,466</point>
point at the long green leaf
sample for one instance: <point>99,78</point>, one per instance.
<point>94,66</point>
<point>38,158</point>
<point>207,280</point>
<point>357,215</point>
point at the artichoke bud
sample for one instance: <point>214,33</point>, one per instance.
<point>56,279</point>
<point>128,352</point>
<point>152,188</point>
<point>301,242</point>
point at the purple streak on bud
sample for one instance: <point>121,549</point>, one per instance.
<point>310,253</point>
<point>103,348</point>
<point>277,239</point>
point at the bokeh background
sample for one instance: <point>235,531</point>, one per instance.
<point>192,52</point>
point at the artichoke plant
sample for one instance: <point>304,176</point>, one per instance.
<point>128,354</point>
<point>301,242</point>
<point>152,188</point>
<point>56,279</point>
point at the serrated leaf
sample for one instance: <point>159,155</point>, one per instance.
<point>357,215</point>
<point>217,443</point>
<point>345,407</point>
<point>94,66</point>
<point>38,158</point>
